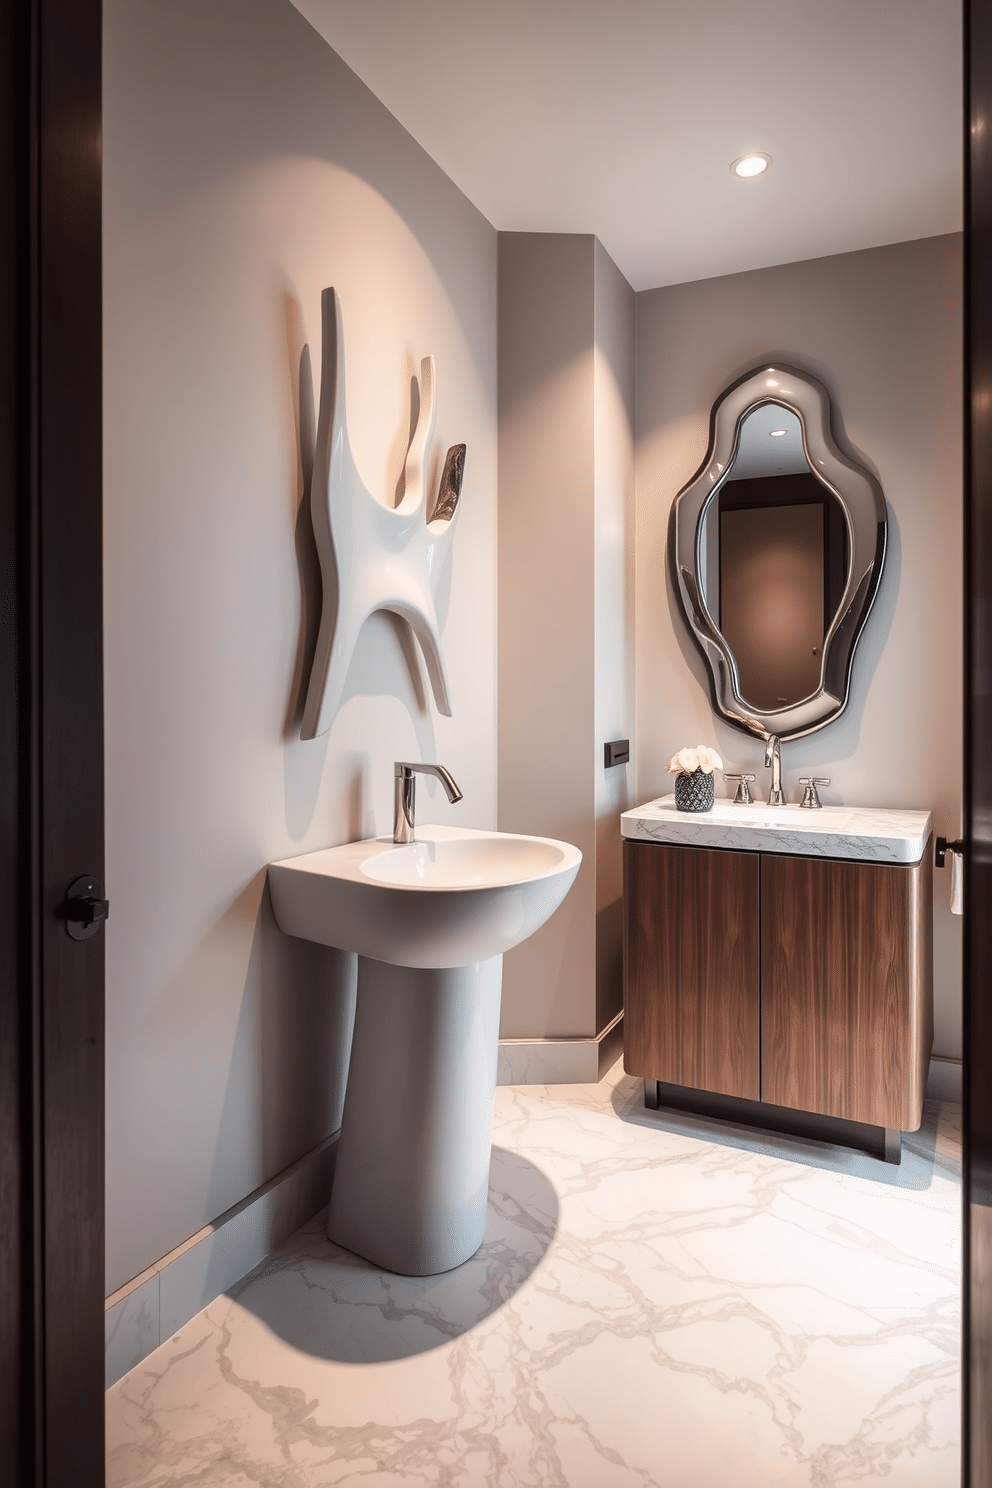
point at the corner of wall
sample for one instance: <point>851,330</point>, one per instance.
<point>566,356</point>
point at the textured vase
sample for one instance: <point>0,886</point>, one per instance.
<point>694,792</point>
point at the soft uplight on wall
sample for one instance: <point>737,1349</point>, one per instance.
<point>749,166</point>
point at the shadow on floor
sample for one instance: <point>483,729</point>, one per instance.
<point>933,1150</point>
<point>329,1303</point>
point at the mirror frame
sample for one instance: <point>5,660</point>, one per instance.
<point>863,504</point>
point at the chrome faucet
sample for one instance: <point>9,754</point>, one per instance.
<point>811,798</point>
<point>773,757</point>
<point>405,798</point>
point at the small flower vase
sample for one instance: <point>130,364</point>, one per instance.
<point>694,792</point>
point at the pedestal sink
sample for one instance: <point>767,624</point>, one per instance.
<point>429,921</point>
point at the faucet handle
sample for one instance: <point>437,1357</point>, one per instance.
<point>811,799</point>
<point>743,796</point>
<point>405,774</point>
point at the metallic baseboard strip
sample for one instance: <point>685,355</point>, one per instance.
<point>154,1305</point>
<point>567,1061</point>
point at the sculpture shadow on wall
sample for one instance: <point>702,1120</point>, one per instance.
<point>303,768</point>
<point>303,437</point>
<point>289,1005</point>
<point>331,1304</point>
<point>307,557</point>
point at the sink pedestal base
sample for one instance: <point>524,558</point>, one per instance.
<point>411,1180</point>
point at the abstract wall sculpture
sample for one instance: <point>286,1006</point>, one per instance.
<point>375,557</point>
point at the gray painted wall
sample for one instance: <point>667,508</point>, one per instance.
<point>566,321</point>
<point>246,168</point>
<point>882,330</point>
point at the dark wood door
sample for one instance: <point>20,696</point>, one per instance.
<point>846,994</point>
<point>691,967</point>
<point>51,745</point>
<point>977,1041</point>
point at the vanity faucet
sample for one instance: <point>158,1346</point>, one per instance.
<point>811,799</point>
<point>405,798</point>
<point>773,757</point>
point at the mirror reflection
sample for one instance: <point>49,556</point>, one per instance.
<point>774,561</point>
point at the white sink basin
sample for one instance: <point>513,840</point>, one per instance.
<point>430,921</point>
<point>467,862</point>
<point>452,897</point>
<point>879,835</point>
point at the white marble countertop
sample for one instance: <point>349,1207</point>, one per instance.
<point>866,833</point>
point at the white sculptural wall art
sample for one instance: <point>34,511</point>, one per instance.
<point>376,557</point>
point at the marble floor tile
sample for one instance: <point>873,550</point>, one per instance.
<point>132,1329</point>
<point>660,1300</point>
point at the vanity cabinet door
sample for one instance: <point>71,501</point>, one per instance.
<point>692,967</point>
<point>846,1004</point>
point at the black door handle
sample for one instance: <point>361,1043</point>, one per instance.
<point>85,907</point>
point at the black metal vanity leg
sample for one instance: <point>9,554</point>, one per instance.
<point>651,1095</point>
<point>893,1145</point>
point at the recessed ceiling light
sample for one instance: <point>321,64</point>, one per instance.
<point>747,166</point>
<point>776,433</point>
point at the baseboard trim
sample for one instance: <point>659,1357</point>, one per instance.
<point>154,1305</point>
<point>567,1061</point>
<point>944,1080</point>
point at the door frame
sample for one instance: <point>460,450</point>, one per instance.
<point>51,744</point>
<point>977,981</point>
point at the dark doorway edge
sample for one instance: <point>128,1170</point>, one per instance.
<point>977,1258</point>
<point>51,744</point>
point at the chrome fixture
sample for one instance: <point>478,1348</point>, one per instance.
<point>810,798</point>
<point>942,848</point>
<point>773,757</point>
<point>405,795</point>
<point>743,796</point>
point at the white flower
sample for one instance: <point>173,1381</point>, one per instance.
<point>701,758</point>
<point>709,760</point>
<point>682,763</point>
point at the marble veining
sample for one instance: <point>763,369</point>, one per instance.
<point>659,1300</point>
<point>878,836</point>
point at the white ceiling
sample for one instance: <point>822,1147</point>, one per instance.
<point>621,118</point>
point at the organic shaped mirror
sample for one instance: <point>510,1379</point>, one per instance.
<point>778,544</point>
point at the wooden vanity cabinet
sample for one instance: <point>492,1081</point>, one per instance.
<point>799,982</point>
<point>692,976</point>
<point>846,987</point>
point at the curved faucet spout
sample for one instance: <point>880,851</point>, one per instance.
<point>773,758</point>
<point>405,798</point>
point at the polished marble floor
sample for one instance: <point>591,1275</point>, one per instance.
<point>660,1300</point>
